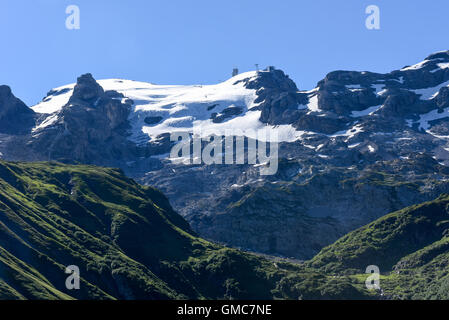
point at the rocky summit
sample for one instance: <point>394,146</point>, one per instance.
<point>15,116</point>
<point>352,149</point>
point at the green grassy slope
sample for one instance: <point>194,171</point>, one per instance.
<point>128,243</point>
<point>410,246</point>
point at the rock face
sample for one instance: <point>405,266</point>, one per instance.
<point>277,96</point>
<point>90,128</point>
<point>15,116</point>
<point>305,207</point>
<point>86,90</point>
<point>357,146</point>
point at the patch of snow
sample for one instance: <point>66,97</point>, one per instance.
<point>351,146</point>
<point>430,93</point>
<point>354,87</point>
<point>424,119</point>
<point>379,88</point>
<point>47,122</point>
<point>250,124</point>
<point>440,66</point>
<point>309,146</point>
<point>400,80</point>
<point>314,90</point>
<point>349,133</point>
<point>55,101</point>
<point>415,66</point>
<point>367,111</point>
<point>313,103</point>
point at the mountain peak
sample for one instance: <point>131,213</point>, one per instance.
<point>86,89</point>
<point>439,55</point>
<point>15,116</point>
<point>4,91</point>
<point>271,79</point>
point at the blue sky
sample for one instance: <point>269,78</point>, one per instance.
<point>200,41</point>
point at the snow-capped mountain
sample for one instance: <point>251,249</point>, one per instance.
<point>344,104</point>
<point>162,109</point>
<point>357,146</point>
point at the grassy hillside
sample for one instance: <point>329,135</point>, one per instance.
<point>128,243</point>
<point>410,246</point>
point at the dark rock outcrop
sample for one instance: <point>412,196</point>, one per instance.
<point>86,90</point>
<point>277,96</point>
<point>152,120</point>
<point>15,116</point>
<point>91,127</point>
<point>226,114</point>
